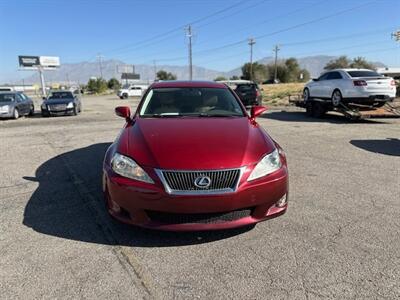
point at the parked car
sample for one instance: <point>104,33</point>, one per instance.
<point>15,104</point>
<point>136,90</point>
<point>249,94</point>
<point>351,86</point>
<point>6,89</point>
<point>61,103</point>
<point>191,158</point>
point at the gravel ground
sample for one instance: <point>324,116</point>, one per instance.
<point>339,239</point>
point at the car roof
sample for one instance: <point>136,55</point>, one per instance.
<point>10,92</point>
<point>349,69</point>
<point>188,84</point>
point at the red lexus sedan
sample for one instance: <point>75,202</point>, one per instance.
<point>191,158</point>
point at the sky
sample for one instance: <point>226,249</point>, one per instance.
<point>144,31</point>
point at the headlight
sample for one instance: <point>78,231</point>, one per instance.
<point>270,163</point>
<point>70,105</point>
<point>5,108</point>
<point>127,167</point>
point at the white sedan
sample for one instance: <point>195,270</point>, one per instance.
<point>351,86</point>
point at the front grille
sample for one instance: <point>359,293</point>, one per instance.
<point>203,218</point>
<point>57,107</point>
<point>220,181</point>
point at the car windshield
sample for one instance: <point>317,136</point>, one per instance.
<point>7,97</point>
<point>364,74</point>
<point>202,102</point>
<point>247,87</point>
<point>61,95</point>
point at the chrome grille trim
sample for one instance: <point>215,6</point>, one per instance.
<point>181,182</point>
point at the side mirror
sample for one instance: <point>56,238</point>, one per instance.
<point>315,79</point>
<point>256,111</point>
<point>123,112</point>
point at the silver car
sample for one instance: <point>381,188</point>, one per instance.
<point>15,104</point>
<point>351,85</point>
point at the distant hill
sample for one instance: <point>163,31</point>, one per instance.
<point>81,72</point>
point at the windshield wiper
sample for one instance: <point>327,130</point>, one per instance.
<point>217,115</point>
<point>163,116</point>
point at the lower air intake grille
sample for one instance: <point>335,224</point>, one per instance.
<point>204,218</point>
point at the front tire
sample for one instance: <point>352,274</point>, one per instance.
<point>306,95</point>
<point>15,114</point>
<point>32,111</point>
<point>125,96</point>
<point>336,98</point>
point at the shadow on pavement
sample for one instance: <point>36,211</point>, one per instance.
<point>388,146</point>
<point>299,116</point>
<point>69,204</point>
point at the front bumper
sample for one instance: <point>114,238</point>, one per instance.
<point>65,112</point>
<point>6,114</point>
<point>148,205</point>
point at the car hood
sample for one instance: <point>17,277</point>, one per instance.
<point>59,101</point>
<point>195,143</point>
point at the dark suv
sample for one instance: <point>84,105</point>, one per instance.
<point>249,93</point>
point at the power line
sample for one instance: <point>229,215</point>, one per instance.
<point>179,28</point>
<point>284,29</point>
<point>334,38</point>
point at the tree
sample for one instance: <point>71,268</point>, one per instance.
<point>289,71</point>
<point>234,77</point>
<point>343,62</point>
<point>220,78</point>
<point>164,75</point>
<point>259,71</point>
<point>113,84</point>
<point>361,63</point>
<point>338,63</point>
<point>97,86</point>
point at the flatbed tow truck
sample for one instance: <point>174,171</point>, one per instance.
<point>318,108</point>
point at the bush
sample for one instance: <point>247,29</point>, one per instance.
<point>164,75</point>
<point>113,84</point>
<point>97,86</point>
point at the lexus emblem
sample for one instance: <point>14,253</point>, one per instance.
<point>202,182</point>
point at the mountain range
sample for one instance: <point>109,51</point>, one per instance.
<point>82,72</point>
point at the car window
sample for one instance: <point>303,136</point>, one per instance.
<point>246,88</point>
<point>190,102</point>
<point>61,95</point>
<point>23,96</point>
<point>324,76</point>
<point>19,98</point>
<point>334,75</point>
<point>364,74</point>
<point>6,97</point>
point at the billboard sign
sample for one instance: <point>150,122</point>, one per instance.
<point>126,69</point>
<point>130,76</point>
<point>28,61</point>
<point>49,61</point>
<point>34,62</point>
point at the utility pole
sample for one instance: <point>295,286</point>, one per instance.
<point>69,84</point>
<point>99,58</point>
<point>155,69</point>
<point>251,43</point>
<point>40,69</point>
<point>276,49</point>
<point>190,35</point>
<point>396,35</point>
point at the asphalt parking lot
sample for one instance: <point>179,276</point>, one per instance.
<point>339,239</point>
